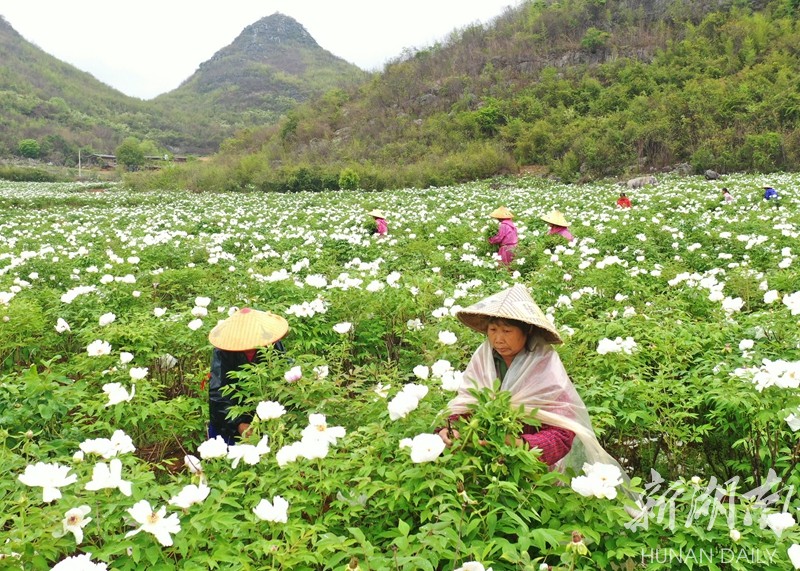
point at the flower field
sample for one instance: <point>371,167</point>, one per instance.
<point>680,317</point>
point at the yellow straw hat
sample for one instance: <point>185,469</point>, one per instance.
<point>555,217</point>
<point>247,329</point>
<point>501,213</point>
<point>512,303</point>
<point>376,214</point>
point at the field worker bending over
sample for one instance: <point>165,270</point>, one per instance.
<point>558,225</point>
<point>381,227</point>
<point>518,351</point>
<point>506,236</point>
<point>236,343</point>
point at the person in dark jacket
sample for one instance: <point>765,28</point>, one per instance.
<point>236,342</point>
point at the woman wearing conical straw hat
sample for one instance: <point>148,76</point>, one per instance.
<point>506,236</point>
<point>236,342</point>
<point>558,224</point>
<point>381,227</point>
<point>518,351</point>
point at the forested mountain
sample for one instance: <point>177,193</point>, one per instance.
<point>269,68</point>
<point>579,89</point>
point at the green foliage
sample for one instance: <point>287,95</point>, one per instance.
<point>594,39</point>
<point>349,179</point>
<point>130,154</point>
<point>29,148</point>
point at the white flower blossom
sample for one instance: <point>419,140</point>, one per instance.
<point>343,327</point>
<point>106,319</point>
<point>74,521</point>
<point>425,447</point>
<point>276,511</point>
<point>213,448</point>
<point>109,476</point>
<point>157,523</point>
<point>293,374</point>
<point>49,477</point>
<point>190,494</point>
<point>601,481</point>
<point>98,348</point>
<point>447,337</point>
<point>82,562</point>
<point>267,410</point>
<point>118,393</point>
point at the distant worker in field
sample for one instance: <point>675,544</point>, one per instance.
<point>770,193</point>
<point>236,342</point>
<point>558,224</point>
<point>381,227</point>
<point>726,195</point>
<point>506,237</point>
<point>623,201</point>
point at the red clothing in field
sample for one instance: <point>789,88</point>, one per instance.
<point>624,202</point>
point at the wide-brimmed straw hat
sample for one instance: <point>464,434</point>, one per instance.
<point>376,214</point>
<point>512,303</point>
<point>501,213</point>
<point>555,217</point>
<point>248,329</point>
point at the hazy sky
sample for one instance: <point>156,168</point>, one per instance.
<point>148,47</point>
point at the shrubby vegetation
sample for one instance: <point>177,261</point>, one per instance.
<point>583,89</point>
<point>680,319</point>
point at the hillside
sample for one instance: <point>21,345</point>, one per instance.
<point>62,107</point>
<point>581,89</point>
<point>269,68</point>
<point>273,65</point>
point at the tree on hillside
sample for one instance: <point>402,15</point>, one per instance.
<point>29,148</point>
<point>130,154</point>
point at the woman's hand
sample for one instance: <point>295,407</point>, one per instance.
<point>447,435</point>
<point>244,429</point>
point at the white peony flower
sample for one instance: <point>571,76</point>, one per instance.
<point>213,448</point>
<point>267,410</point>
<point>190,495</point>
<point>109,476</point>
<point>74,521</point>
<point>125,357</point>
<point>601,481</point>
<point>424,447</point>
<point>794,555</point>
<point>49,477</point>
<point>293,374</point>
<point>138,373</point>
<point>106,319</point>
<point>118,393</point>
<point>422,372</point>
<point>779,522</point>
<point>98,348</point>
<point>81,562</point>
<point>343,327</point>
<point>276,511</point>
<point>62,326</point>
<point>195,324</point>
<point>155,522</point>
<point>447,337</point>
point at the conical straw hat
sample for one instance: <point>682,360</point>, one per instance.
<point>501,213</point>
<point>248,329</point>
<point>555,217</point>
<point>512,303</point>
<point>376,214</point>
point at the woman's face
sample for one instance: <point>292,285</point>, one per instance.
<point>506,339</point>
